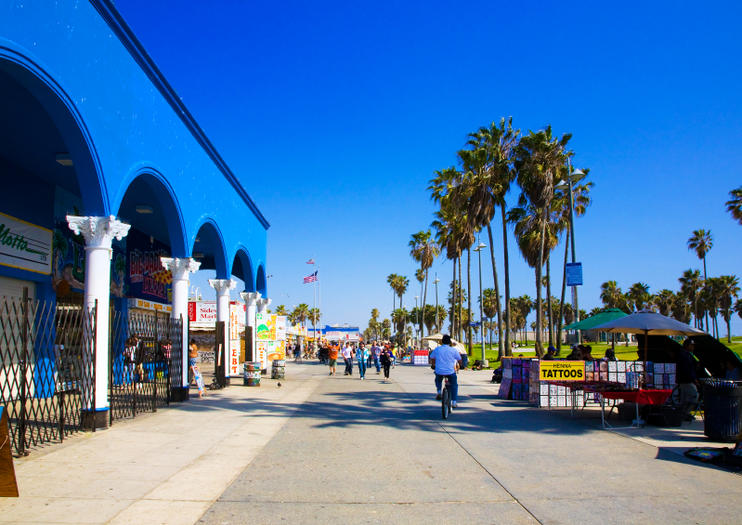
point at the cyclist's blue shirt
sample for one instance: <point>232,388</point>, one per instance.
<point>445,360</point>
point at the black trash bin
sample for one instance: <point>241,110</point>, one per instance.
<point>722,401</point>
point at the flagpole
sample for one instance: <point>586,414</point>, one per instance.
<point>319,298</point>
<point>314,335</point>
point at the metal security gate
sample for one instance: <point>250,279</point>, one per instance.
<point>47,369</point>
<point>143,372</point>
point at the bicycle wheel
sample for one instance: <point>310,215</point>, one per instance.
<point>445,403</point>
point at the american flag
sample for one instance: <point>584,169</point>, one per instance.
<point>310,261</point>
<point>310,278</point>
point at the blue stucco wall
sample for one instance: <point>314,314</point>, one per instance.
<point>129,126</point>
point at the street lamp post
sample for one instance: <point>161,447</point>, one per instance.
<point>478,249</point>
<point>575,305</point>
<point>437,325</point>
<point>417,323</point>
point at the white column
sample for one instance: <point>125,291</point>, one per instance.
<point>99,232</point>
<point>251,300</point>
<point>181,268</point>
<point>263,305</point>
<point>222,287</point>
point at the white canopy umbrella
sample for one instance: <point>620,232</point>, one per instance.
<point>434,340</point>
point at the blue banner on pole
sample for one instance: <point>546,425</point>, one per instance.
<point>574,274</point>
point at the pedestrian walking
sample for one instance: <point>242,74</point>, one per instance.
<point>362,357</point>
<point>376,354</point>
<point>347,353</point>
<point>386,360</point>
<point>332,357</point>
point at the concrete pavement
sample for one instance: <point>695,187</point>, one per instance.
<point>339,450</point>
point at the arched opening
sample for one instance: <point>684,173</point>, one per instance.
<point>48,169</point>
<point>208,249</point>
<point>242,269</point>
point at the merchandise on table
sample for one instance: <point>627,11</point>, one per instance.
<point>420,358</point>
<point>623,375</point>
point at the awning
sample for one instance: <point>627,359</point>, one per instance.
<point>598,319</point>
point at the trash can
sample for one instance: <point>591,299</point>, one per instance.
<point>722,401</point>
<point>251,373</point>
<point>278,371</point>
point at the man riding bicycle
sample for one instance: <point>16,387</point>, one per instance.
<point>445,361</point>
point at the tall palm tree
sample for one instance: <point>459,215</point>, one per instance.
<point>701,242</point>
<point>728,291</point>
<point>449,222</point>
<point>489,161</point>
<point>690,287</point>
<point>391,279</point>
<point>399,319</point>
<point>734,205</point>
<point>400,287</point>
<point>540,163</point>
<point>424,250</point>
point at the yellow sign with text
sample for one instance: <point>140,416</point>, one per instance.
<point>562,370</point>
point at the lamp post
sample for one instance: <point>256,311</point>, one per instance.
<point>437,325</point>
<point>417,321</point>
<point>478,249</point>
<point>572,242</point>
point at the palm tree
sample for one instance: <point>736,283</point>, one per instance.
<point>701,242</point>
<point>540,162</point>
<point>391,280</point>
<point>399,319</point>
<point>690,287</point>
<point>424,250</point>
<point>489,162</point>
<point>728,291</point>
<point>734,205</point>
<point>449,222</point>
<point>301,313</point>
<point>611,294</point>
<point>664,301</point>
<point>386,329</point>
<point>639,295</point>
<point>313,315</point>
<point>281,310</point>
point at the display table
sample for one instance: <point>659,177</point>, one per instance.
<point>609,391</point>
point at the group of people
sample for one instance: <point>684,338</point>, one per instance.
<point>580,353</point>
<point>380,355</point>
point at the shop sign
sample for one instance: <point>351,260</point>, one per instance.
<point>562,370</point>
<point>24,245</point>
<point>234,358</point>
<point>281,327</point>
<point>147,278</point>
<point>202,313</point>
<point>236,320</point>
<point>266,327</point>
<point>150,305</point>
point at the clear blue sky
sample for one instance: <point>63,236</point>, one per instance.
<point>335,116</point>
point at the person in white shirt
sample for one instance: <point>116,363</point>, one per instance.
<point>348,357</point>
<point>445,360</point>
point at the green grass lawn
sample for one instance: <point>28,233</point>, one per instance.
<point>623,352</point>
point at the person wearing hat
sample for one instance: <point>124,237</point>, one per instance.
<point>550,353</point>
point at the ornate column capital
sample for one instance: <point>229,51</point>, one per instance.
<point>180,267</point>
<point>222,286</point>
<point>98,232</point>
<point>263,304</point>
<point>250,298</point>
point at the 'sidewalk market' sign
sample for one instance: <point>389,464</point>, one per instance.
<point>24,245</point>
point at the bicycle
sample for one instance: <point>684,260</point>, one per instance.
<point>446,398</point>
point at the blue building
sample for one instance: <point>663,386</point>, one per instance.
<point>111,192</point>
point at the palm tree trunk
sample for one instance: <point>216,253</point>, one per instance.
<point>460,305</point>
<point>468,302</point>
<point>564,290</point>
<point>497,294</point>
<point>422,313</point>
<point>539,266</point>
<point>548,301</point>
<point>453,299</point>
<point>704,282</point>
<point>729,328</point>
<point>506,264</point>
